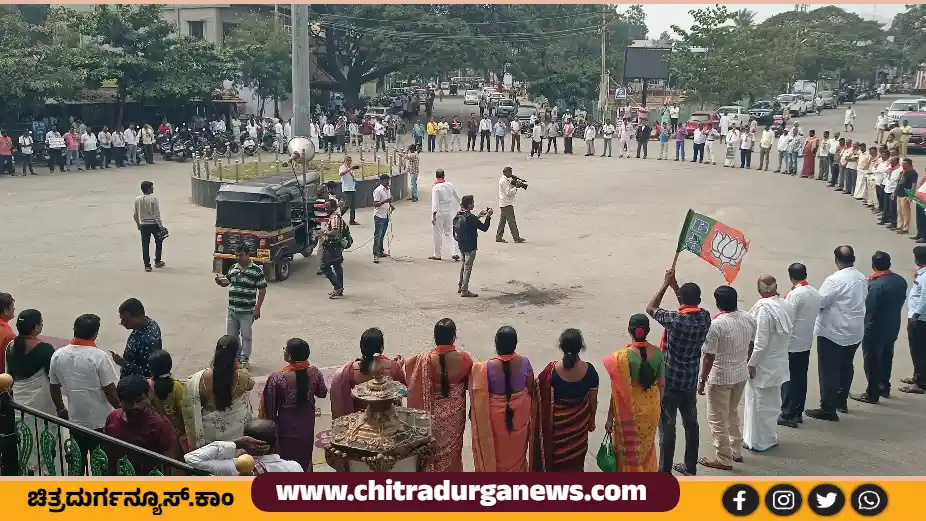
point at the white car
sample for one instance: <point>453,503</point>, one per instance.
<point>377,112</point>
<point>445,85</point>
<point>795,104</point>
<point>471,97</point>
<point>900,107</point>
<point>738,115</point>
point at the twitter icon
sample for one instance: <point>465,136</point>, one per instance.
<point>826,500</point>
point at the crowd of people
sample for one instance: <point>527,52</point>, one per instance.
<point>752,366</point>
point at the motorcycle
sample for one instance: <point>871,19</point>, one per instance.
<point>163,145</point>
<point>270,143</point>
<point>248,146</point>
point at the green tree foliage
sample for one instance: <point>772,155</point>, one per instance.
<point>192,69</point>
<point>35,67</point>
<point>264,54</point>
<point>909,32</point>
<point>133,44</point>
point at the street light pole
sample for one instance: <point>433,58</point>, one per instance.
<point>603,95</point>
<point>302,107</point>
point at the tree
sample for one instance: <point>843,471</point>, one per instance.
<point>744,18</point>
<point>34,67</point>
<point>193,69</point>
<point>909,32</point>
<point>264,53</point>
<point>133,44</point>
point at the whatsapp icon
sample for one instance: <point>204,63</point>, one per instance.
<point>869,500</point>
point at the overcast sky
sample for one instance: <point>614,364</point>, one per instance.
<point>660,17</point>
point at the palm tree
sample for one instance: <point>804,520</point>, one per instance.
<point>744,18</point>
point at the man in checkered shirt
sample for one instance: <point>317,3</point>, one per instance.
<point>685,331</point>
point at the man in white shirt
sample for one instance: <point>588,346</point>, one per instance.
<point>880,128</point>
<point>839,330</point>
<point>25,148</point>
<point>379,133</point>
<point>444,204</point>
<point>55,143</point>
<point>805,299</point>
<point>784,141</point>
<point>382,206</point>
<point>623,139</point>
<point>328,132</point>
<point>891,180</point>
<point>724,128</point>
<point>849,119</point>
<point>724,373</point>
<point>88,143</point>
<point>823,157</point>
<point>768,366</point>
<point>86,375</point>
<point>349,186</point>
<point>673,116</point>
<point>711,135</point>
<point>537,138</point>
<point>281,137</point>
<point>105,140</point>
<point>131,145</point>
<point>765,147</point>
<point>607,133</point>
<point>259,441</point>
<point>506,193</point>
<point>699,138</point>
<point>589,141</point>
<point>515,128</point>
<point>485,134</point>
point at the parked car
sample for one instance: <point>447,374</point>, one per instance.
<point>471,97</point>
<point>376,112</point>
<point>917,120</point>
<point>900,107</point>
<point>699,119</point>
<point>505,108</point>
<point>738,114</point>
<point>794,104</point>
<point>829,99</point>
<point>764,111</point>
<point>445,85</point>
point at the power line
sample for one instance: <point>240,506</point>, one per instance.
<point>550,35</point>
<point>457,21</point>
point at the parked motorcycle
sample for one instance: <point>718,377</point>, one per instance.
<point>248,145</point>
<point>270,142</point>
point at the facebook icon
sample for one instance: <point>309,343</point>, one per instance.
<point>740,500</point>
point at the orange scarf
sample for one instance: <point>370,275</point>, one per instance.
<point>298,366</point>
<point>879,274</point>
<point>799,283</point>
<point>683,310</point>
<point>505,358</point>
<point>439,180</point>
<point>82,342</point>
<point>444,349</point>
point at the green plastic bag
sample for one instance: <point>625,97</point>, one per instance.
<point>607,460</point>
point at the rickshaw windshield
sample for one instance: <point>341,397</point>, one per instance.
<point>251,216</point>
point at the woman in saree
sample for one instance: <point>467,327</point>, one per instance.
<point>637,378</point>
<point>289,401</point>
<point>167,395</point>
<point>437,383</point>
<point>215,400</point>
<point>567,400</point>
<point>27,361</point>
<point>361,370</point>
<point>502,392</point>
<point>811,147</point>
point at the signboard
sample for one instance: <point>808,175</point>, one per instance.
<point>620,93</point>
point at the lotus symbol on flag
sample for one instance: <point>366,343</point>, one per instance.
<point>727,249</point>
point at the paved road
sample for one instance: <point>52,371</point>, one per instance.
<point>601,231</point>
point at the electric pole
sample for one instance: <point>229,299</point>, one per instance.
<point>603,95</point>
<point>302,107</point>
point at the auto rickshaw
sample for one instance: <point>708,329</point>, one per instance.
<point>273,217</point>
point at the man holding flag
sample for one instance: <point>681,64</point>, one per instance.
<point>685,331</point>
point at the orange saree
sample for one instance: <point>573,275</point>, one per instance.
<point>636,416</point>
<point>494,448</point>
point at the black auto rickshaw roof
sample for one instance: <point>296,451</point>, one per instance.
<point>278,188</point>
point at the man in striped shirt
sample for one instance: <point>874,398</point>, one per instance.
<point>724,374</point>
<point>247,288</point>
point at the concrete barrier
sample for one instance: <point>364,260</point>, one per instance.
<point>204,191</point>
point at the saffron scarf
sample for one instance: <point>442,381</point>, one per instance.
<point>505,358</point>
<point>799,283</point>
<point>439,180</point>
<point>85,343</point>
<point>878,274</point>
<point>682,310</point>
<point>297,366</point>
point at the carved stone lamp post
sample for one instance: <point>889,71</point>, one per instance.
<point>382,438</point>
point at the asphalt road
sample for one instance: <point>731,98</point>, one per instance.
<point>601,231</point>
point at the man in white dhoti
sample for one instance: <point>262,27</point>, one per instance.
<point>444,204</point>
<point>767,366</point>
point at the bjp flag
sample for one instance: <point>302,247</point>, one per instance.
<point>718,244</point>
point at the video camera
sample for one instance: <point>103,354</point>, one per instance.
<point>517,182</point>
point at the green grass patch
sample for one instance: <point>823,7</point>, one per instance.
<point>257,170</point>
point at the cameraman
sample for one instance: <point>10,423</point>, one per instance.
<point>507,189</point>
<point>466,233</point>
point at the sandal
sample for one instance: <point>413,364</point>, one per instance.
<point>680,468</point>
<point>912,389</point>
<point>434,258</point>
<point>714,464</point>
<point>908,381</point>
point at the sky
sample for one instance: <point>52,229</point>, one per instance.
<point>660,17</point>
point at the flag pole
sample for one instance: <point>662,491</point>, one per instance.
<point>681,237</point>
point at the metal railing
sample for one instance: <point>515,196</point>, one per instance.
<point>33,443</point>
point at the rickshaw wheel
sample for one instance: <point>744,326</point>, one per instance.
<point>282,269</point>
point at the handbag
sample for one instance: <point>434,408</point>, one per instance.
<point>607,460</point>
<point>163,233</point>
